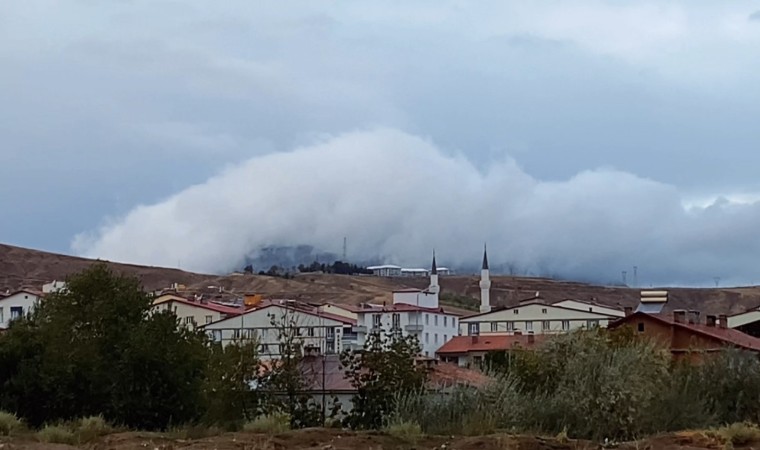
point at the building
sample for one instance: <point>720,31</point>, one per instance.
<point>387,270</point>
<point>347,311</point>
<point>685,335</point>
<point>413,312</point>
<point>469,351</point>
<point>193,313</point>
<point>275,320</point>
<point>325,379</point>
<point>414,273</point>
<point>17,305</point>
<point>581,305</point>
<point>532,316</point>
<point>747,322</point>
<point>53,286</point>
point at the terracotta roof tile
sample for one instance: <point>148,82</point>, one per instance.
<point>489,342</point>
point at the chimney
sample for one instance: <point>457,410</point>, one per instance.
<point>693,317</point>
<point>722,321</point>
<point>531,337</point>
<point>518,333</point>
<point>628,310</point>
<point>679,316</point>
<point>711,319</point>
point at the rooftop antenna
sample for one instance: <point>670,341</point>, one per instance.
<point>344,249</point>
<point>624,278</point>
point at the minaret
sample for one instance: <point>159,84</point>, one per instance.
<point>434,288</point>
<point>485,284</point>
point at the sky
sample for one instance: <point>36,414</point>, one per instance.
<point>577,138</point>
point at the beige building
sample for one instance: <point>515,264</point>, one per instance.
<point>193,313</point>
<point>533,317</point>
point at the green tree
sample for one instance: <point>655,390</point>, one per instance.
<point>232,371</point>
<point>382,370</point>
<point>96,348</point>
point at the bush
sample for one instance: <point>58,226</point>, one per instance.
<point>273,423</point>
<point>739,433</point>
<point>192,432</point>
<point>90,428</point>
<point>56,434</point>
<point>407,431</point>
<point>9,424</point>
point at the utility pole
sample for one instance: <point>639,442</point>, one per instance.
<point>345,258</point>
<point>635,276</point>
<point>717,281</point>
<point>624,278</point>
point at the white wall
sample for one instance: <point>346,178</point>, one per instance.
<point>189,315</point>
<point>743,318</point>
<point>583,306</point>
<point>16,305</point>
<point>432,329</point>
<point>535,317</point>
<point>321,332</point>
<point>426,300</point>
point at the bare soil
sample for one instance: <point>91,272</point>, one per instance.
<point>21,267</point>
<point>330,439</point>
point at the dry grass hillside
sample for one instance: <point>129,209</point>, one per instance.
<point>20,267</point>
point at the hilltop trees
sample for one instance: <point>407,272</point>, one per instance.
<point>95,348</point>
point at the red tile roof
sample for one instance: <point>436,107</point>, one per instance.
<point>304,308</point>
<point>228,310</point>
<point>728,336</point>
<point>489,342</point>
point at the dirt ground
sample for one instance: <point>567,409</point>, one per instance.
<point>328,439</point>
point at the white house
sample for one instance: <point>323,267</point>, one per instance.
<point>193,313</point>
<point>413,312</point>
<point>17,305</point>
<point>581,305</point>
<point>311,328</point>
<point>53,286</point>
<point>386,270</point>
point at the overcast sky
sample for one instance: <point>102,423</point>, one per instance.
<point>578,138</point>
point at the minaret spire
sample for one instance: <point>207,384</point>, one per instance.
<point>434,269</point>
<point>434,288</point>
<point>485,284</point>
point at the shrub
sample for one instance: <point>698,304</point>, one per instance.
<point>192,432</point>
<point>90,428</point>
<point>272,423</point>
<point>407,431</point>
<point>56,434</point>
<point>9,424</point>
<point>739,433</point>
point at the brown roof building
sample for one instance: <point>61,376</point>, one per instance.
<point>686,336</point>
<point>465,351</point>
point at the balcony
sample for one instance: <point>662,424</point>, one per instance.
<point>359,329</point>
<point>413,327</point>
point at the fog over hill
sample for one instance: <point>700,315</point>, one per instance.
<point>397,196</point>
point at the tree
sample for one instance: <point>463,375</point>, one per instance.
<point>230,374</point>
<point>383,369</point>
<point>96,348</point>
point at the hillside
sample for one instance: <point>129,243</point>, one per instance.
<point>20,267</point>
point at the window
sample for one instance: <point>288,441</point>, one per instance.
<point>436,320</point>
<point>445,338</point>
<point>311,332</point>
<point>217,334</point>
<point>1,316</point>
<point>510,326</point>
<point>209,319</point>
<point>376,320</point>
<point>445,321</point>
<point>516,311</point>
<point>189,320</point>
<point>545,325</point>
<point>427,337</point>
<point>396,321</point>
<point>236,334</point>
<point>427,319</point>
<point>453,322</point>
<point>436,338</point>
<point>641,327</point>
<point>16,312</point>
<point>565,325</point>
<point>543,311</point>
<point>528,326</point>
<point>592,323</point>
<point>264,348</point>
<point>474,329</point>
<point>494,326</point>
<point>591,310</point>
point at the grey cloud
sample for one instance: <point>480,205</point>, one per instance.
<point>755,16</point>
<point>397,196</point>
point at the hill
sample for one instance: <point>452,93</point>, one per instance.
<point>21,267</point>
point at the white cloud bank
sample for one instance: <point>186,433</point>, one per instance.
<point>398,196</point>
